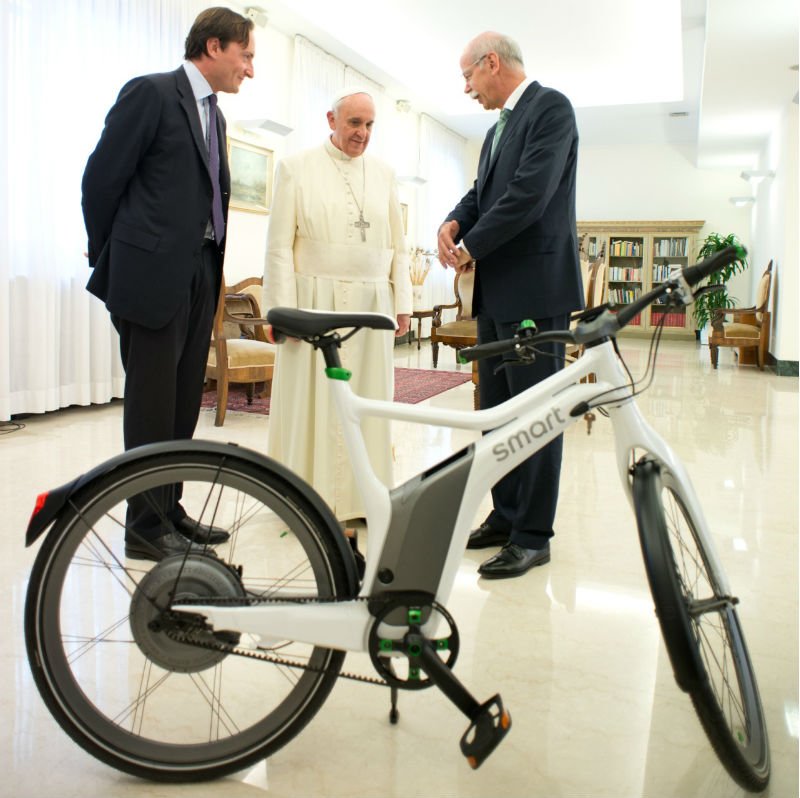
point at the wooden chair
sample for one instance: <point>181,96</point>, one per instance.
<point>595,286</point>
<point>239,350</point>
<point>748,329</point>
<point>463,331</point>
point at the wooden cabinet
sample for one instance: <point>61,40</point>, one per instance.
<point>640,255</point>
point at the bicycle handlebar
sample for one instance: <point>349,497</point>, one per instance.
<point>694,274</point>
<point>606,324</point>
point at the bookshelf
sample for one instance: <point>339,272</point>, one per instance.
<point>640,255</point>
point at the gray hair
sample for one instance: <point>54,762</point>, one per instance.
<point>506,48</point>
<point>337,101</point>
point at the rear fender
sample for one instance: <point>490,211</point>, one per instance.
<point>49,505</point>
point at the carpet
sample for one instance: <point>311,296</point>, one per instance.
<point>410,386</point>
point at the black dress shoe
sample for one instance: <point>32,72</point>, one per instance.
<point>485,536</point>
<point>157,549</point>
<point>513,560</point>
<point>201,533</point>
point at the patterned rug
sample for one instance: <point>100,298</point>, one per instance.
<point>410,386</point>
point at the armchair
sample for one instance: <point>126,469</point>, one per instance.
<point>461,332</point>
<point>748,328</point>
<point>595,287</point>
<point>239,350</point>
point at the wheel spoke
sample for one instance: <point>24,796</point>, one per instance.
<point>712,656</point>
<point>123,682</point>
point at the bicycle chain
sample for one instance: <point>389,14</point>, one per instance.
<point>187,639</point>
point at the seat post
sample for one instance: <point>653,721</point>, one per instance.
<point>329,346</point>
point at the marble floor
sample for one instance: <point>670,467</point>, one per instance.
<point>573,647</point>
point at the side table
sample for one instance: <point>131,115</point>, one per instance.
<point>419,315</point>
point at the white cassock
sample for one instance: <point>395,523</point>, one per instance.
<point>316,259</point>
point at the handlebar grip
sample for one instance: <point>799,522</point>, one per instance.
<point>694,274</point>
<point>487,350</point>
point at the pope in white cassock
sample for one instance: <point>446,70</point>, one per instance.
<point>335,243</point>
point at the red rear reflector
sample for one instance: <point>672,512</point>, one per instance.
<point>40,501</point>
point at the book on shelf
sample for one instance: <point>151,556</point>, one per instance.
<point>625,274</point>
<point>672,318</point>
<point>625,248</point>
<point>662,271</point>
<point>623,296</point>
<point>669,247</point>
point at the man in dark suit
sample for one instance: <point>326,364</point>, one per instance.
<point>155,202</point>
<point>517,224</point>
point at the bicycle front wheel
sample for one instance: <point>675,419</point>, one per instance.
<point>700,626</point>
<point>154,706</point>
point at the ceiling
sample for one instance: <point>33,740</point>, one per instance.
<point>627,65</point>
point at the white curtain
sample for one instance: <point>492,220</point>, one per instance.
<point>317,77</point>
<point>380,143</point>
<point>442,157</point>
<point>64,63</point>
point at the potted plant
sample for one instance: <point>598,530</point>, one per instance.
<point>706,304</point>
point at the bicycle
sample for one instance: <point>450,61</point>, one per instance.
<point>162,673</point>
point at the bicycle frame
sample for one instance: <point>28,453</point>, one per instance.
<point>409,550</point>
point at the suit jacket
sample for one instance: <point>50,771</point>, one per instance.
<point>518,219</point>
<point>147,199</point>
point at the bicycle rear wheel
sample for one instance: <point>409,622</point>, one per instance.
<point>700,626</point>
<point>150,705</point>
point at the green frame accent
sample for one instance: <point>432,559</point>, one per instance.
<point>338,373</point>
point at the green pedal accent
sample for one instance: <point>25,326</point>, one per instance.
<point>442,645</point>
<point>338,373</point>
<point>527,323</point>
<point>413,673</point>
<point>386,645</point>
<point>414,615</point>
<point>461,359</point>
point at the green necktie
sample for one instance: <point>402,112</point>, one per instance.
<point>498,131</point>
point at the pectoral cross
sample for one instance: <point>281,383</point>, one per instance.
<point>362,225</point>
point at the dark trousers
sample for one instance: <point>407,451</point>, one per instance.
<point>525,499</point>
<point>164,375</point>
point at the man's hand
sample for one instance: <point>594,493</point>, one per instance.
<point>403,324</point>
<point>447,246</point>
<point>464,262</point>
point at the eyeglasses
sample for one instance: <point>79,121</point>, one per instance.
<point>471,68</point>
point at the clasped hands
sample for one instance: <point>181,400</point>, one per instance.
<point>450,254</point>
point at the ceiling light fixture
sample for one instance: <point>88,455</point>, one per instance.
<point>264,125</point>
<point>258,15</point>
<point>740,202</point>
<point>755,176</point>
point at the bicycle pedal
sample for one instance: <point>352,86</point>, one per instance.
<point>489,725</point>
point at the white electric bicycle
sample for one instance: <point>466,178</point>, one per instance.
<point>196,666</point>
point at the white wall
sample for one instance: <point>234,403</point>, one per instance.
<point>650,182</point>
<point>775,232</point>
<point>266,96</point>
<point>661,182</point>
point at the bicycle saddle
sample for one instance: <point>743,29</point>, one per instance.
<point>304,323</point>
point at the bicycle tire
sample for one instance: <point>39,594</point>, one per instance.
<point>700,627</point>
<point>173,715</point>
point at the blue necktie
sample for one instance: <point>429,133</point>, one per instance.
<point>217,217</point>
<point>498,131</point>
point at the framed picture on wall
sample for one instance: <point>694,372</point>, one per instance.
<point>251,176</point>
